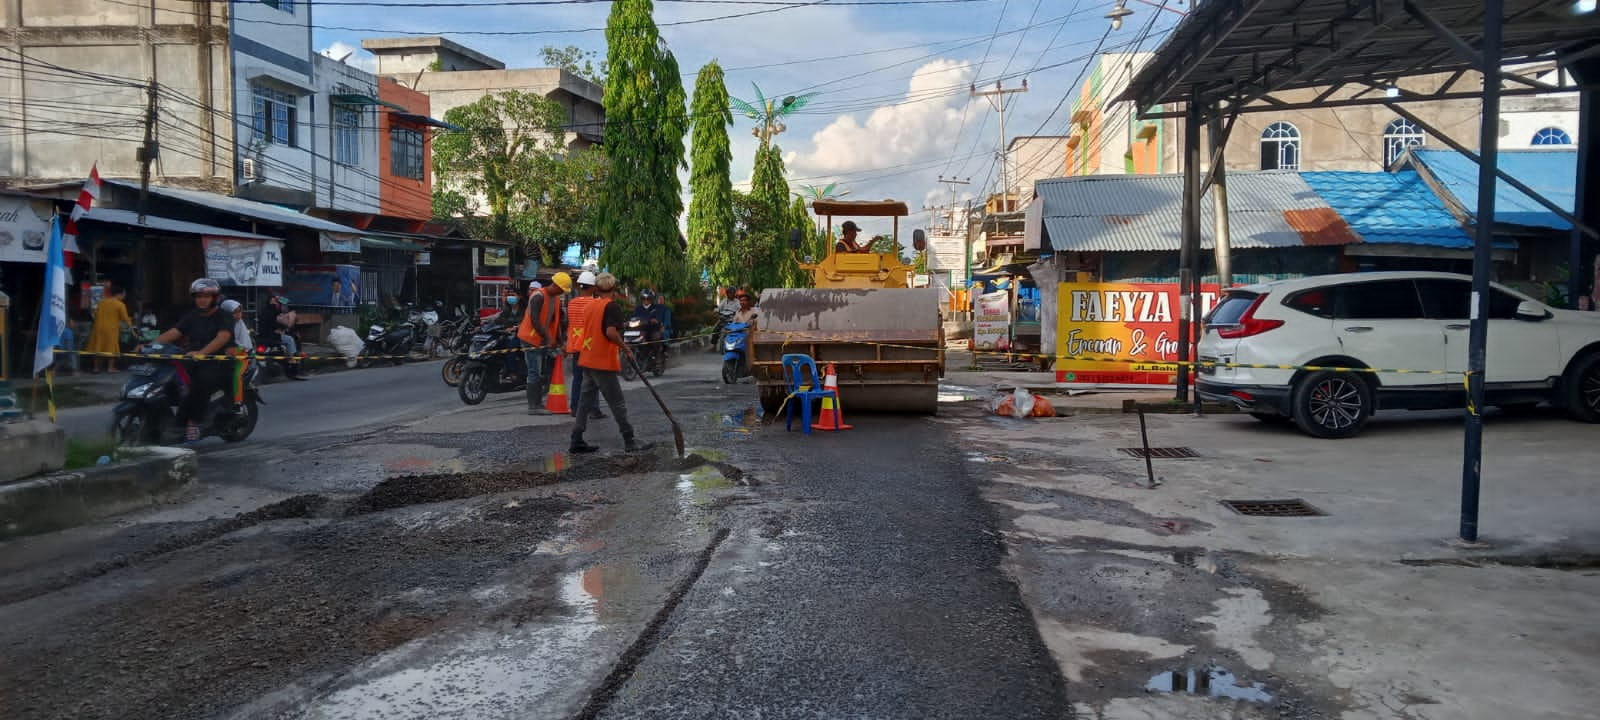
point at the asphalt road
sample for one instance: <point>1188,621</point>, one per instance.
<point>379,550</point>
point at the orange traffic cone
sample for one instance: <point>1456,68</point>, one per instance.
<point>556,400</point>
<point>830,414</point>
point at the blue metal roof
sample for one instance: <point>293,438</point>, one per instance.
<point>1392,208</point>
<point>1551,173</point>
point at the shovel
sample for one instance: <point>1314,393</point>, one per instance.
<point>677,431</point>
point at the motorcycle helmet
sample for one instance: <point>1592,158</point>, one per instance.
<point>205,286</point>
<point>647,294</point>
<point>586,279</point>
<point>563,281</point>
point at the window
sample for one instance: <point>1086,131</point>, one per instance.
<point>284,5</point>
<point>1280,147</point>
<point>1446,299</point>
<point>274,117</point>
<point>405,153</point>
<point>1232,307</point>
<point>346,135</point>
<point>1382,300</point>
<point>1317,301</point>
<point>1552,136</point>
<point>1400,134</point>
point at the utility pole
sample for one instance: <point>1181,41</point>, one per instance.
<point>950,227</point>
<point>1219,203</point>
<point>147,151</point>
<point>997,100</point>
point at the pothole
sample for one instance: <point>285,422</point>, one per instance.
<point>1210,682</point>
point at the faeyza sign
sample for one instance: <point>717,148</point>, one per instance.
<point>1120,333</point>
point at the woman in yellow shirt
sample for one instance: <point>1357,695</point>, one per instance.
<point>105,337</point>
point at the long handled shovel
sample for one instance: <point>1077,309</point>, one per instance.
<point>677,431</point>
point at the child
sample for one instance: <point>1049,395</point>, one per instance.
<point>240,350</point>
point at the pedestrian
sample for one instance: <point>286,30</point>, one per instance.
<point>541,331</point>
<point>577,309</point>
<point>600,358</point>
<point>240,350</point>
<point>105,337</point>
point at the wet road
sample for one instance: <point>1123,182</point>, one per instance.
<point>453,562</point>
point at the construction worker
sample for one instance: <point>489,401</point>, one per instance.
<point>541,332</point>
<point>601,360</point>
<point>577,314</point>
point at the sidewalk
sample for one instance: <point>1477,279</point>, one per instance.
<point>960,381</point>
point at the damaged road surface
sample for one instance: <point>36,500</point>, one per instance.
<point>458,565</point>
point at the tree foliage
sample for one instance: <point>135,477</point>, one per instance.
<point>645,126</point>
<point>769,196</point>
<point>711,220</point>
<point>813,246</point>
<point>577,61</point>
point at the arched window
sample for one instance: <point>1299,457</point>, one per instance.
<point>1552,136</point>
<point>1400,134</point>
<point>1280,147</point>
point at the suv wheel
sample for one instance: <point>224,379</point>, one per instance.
<point>1581,388</point>
<point>1330,404</point>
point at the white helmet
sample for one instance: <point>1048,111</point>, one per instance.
<point>586,279</point>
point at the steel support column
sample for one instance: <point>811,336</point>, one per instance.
<point>1482,254</point>
<point>1189,244</point>
<point>1586,193</point>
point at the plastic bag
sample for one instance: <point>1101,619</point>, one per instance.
<point>1042,408</point>
<point>1017,404</point>
<point>347,342</point>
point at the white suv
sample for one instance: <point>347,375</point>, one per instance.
<point>1400,324</point>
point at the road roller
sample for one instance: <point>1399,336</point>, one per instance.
<point>861,314</point>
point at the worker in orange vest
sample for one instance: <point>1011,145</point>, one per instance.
<point>600,357</point>
<point>577,315</point>
<point>541,332</point>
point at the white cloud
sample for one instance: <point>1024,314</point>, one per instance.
<point>921,127</point>
<point>355,57</point>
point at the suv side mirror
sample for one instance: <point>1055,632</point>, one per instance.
<point>919,240</point>
<point>1530,310</point>
<point>797,238</point>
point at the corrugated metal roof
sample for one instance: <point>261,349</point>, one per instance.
<point>1390,208</point>
<point>1099,213</point>
<point>246,208</point>
<point>1551,173</point>
<point>161,224</point>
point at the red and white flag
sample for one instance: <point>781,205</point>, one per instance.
<point>86,198</point>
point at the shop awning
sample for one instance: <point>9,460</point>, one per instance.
<point>152,223</point>
<point>380,243</point>
<point>360,100</point>
<point>262,212</point>
<point>424,120</point>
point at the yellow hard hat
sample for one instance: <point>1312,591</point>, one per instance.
<point>563,281</point>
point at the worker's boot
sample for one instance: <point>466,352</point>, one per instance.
<point>631,445</point>
<point>534,406</point>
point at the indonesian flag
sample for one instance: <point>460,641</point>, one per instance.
<point>86,198</point>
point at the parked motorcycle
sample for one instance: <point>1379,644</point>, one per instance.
<point>493,365</point>
<point>651,355</point>
<point>394,342</point>
<point>735,353</point>
<point>456,339</point>
<point>724,317</point>
<point>148,411</point>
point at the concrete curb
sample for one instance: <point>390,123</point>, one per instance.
<point>46,503</point>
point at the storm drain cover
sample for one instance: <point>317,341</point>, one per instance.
<point>1273,508</point>
<point>1169,453</point>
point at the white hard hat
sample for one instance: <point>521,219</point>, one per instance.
<point>586,278</point>
<point>534,285</point>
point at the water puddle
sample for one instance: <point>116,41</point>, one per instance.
<point>1211,682</point>
<point>555,463</point>
<point>739,422</point>
<point>987,458</point>
<point>1196,559</point>
<point>958,393</point>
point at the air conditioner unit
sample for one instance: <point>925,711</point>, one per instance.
<point>251,170</point>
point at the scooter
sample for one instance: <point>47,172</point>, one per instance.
<point>148,411</point>
<point>724,316</point>
<point>735,353</point>
<point>493,365</point>
<point>394,342</point>
<point>651,355</point>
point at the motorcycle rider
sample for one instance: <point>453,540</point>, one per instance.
<point>541,331</point>
<point>205,331</point>
<point>577,316</point>
<point>240,350</point>
<point>657,321</point>
<point>277,323</point>
<point>600,358</point>
<point>748,313</point>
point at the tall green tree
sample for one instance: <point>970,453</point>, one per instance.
<point>645,125</point>
<point>813,246</point>
<point>508,175</point>
<point>710,233</point>
<point>769,194</point>
<point>577,61</point>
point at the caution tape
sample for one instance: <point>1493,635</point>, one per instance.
<point>789,337</point>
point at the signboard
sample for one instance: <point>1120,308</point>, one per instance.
<point>496,257</point>
<point>424,258</point>
<point>1135,324</point>
<point>334,286</point>
<point>991,322</point>
<point>340,242</point>
<point>24,228</point>
<point>246,263</point>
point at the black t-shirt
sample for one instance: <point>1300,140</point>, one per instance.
<point>199,330</point>
<point>612,318</point>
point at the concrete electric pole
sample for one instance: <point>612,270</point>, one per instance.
<point>997,100</point>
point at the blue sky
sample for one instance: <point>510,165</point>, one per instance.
<point>893,113</point>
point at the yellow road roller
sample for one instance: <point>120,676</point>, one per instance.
<point>883,336</point>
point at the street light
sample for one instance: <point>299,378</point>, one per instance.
<point>1118,13</point>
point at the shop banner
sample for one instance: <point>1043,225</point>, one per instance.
<point>991,323</point>
<point>1136,323</point>
<point>324,286</point>
<point>244,263</point>
<point>340,242</point>
<point>24,229</point>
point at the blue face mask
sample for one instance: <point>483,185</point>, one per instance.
<point>511,300</point>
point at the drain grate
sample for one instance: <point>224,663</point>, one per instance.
<point>1273,508</point>
<point>1168,453</point>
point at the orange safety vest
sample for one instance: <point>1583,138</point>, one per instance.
<point>577,316</point>
<point>549,317</point>
<point>598,352</point>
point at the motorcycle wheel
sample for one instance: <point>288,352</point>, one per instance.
<point>451,372</point>
<point>239,428</point>
<point>140,427</point>
<point>730,371</point>
<point>659,366</point>
<point>364,359</point>
<point>471,388</point>
<point>628,372</point>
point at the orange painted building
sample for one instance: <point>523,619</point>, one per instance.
<point>405,153</point>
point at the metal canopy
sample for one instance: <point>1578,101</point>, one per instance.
<point>1240,51</point>
<point>860,208</point>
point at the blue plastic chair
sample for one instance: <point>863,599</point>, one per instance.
<point>795,367</point>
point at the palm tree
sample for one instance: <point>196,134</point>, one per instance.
<point>831,191</point>
<point>769,113</point>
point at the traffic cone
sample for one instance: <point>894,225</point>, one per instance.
<point>829,412</point>
<point>556,400</point>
